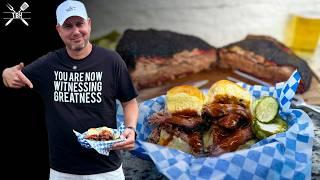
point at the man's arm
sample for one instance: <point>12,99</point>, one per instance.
<point>13,77</point>
<point>130,111</point>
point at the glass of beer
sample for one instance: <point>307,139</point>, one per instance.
<point>302,33</point>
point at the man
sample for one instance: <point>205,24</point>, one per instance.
<point>79,85</point>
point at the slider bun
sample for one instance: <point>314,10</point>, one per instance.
<point>228,92</point>
<point>115,135</point>
<point>166,139</point>
<point>92,131</point>
<point>98,131</point>
<point>104,128</point>
<point>184,98</point>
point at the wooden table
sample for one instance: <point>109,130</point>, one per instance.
<point>312,96</point>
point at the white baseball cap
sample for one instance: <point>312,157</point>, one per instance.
<point>70,8</point>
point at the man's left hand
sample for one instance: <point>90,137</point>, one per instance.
<point>128,144</point>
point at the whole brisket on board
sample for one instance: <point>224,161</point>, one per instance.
<point>266,58</point>
<point>153,57</point>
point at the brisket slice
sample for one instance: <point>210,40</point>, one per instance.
<point>154,57</point>
<point>266,58</point>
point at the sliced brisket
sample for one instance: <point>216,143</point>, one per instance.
<point>153,57</point>
<point>266,58</point>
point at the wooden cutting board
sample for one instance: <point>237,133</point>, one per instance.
<point>312,96</point>
<point>212,76</point>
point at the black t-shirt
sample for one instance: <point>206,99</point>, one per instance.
<point>80,94</point>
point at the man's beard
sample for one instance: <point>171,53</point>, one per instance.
<point>78,47</point>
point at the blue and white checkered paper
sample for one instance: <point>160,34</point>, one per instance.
<point>102,147</point>
<point>281,156</point>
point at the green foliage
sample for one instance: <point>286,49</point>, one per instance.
<point>108,41</point>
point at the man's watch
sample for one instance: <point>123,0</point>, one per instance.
<point>134,129</point>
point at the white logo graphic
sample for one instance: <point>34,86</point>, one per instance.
<point>71,9</point>
<point>17,14</point>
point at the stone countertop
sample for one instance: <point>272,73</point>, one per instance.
<point>136,168</point>
<point>316,146</point>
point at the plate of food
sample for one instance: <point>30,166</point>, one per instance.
<point>101,138</point>
<point>230,131</point>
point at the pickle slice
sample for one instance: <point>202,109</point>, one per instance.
<point>267,109</point>
<point>263,130</point>
<point>254,105</point>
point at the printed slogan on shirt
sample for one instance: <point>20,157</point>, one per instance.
<point>77,87</point>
